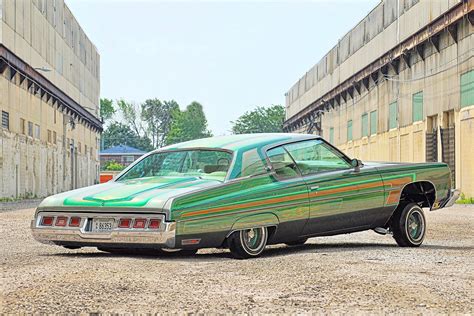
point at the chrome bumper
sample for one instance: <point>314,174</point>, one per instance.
<point>451,199</point>
<point>81,237</point>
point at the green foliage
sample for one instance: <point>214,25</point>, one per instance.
<point>153,124</point>
<point>260,120</point>
<point>107,109</point>
<point>112,165</point>
<point>465,200</point>
<point>158,116</point>
<point>122,134</point>
<point>188,124</point>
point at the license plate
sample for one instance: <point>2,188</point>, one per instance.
<point>102,225</point>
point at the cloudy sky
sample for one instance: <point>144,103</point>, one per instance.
<point>230,56</point>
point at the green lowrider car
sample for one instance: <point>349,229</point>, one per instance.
<point>244,192</point>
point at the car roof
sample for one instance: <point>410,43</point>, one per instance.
<point>240,141</point>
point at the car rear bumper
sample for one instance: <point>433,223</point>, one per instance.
<point>81,236</point>
<point>451,199</point>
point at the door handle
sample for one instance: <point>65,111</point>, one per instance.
<point>314,187</point>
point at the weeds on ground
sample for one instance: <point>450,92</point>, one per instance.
<point>465,200</point>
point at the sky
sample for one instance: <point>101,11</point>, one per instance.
<point>228,55</point>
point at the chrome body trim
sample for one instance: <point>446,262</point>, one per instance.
<point>451,199</point>
<point>165,236</point>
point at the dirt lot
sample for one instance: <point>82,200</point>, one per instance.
<point>362,272</point>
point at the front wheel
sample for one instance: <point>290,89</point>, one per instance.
<point>409,226</point>
<point>248,243</point>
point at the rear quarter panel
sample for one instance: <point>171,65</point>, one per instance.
<point>396,176</point>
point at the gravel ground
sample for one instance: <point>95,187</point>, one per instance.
<point>361,272</point>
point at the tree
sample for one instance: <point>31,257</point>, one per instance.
<point>260,120</point>
<point>107,109</point>
<point>131,116</point>
<point>158,115</point>
<point>188,125</point>
<point>121,134</point>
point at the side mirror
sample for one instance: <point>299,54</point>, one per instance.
<point>356,163</point>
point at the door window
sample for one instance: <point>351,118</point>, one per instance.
<point>282,163</point>
<point>314,156</point>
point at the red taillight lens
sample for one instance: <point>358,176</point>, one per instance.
<point>61,221</point>
<point>124,223</point>
<point>139,223</point>
<point>74,221</point>
<point>47,220</point>
<point>154,224</point>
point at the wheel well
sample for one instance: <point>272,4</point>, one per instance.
<point>422,193</point>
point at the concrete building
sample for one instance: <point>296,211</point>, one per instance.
<point>121,154</point>
<point>49,96</point>
<point>399,86</point>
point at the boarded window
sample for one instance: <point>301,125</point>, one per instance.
<point>365,125</point>
<point>5,120</point>
<point>349,130</point>
<point>467,88</point>
<point>37,131</point>
<point>373,122</point>
<point>331,135</point>
<point>22,126</point>
<point>393,115</point>
<point>417,107</point>
<point>30,129</point>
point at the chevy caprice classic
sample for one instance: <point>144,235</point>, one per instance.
<point>244,192</point>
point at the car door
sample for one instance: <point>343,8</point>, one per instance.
<point>342,198</point>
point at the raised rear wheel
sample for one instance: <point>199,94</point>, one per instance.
<point>248,243</point>
<point>409,226</point>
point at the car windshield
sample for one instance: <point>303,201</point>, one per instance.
<point>208,164</point>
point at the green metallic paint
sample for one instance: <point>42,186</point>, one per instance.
<point>346,199</point>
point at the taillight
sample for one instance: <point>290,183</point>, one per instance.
<point>74,221</point>
<point>139,223</point>
<point>61,221</point>
<point>154,224</point>
<point>124,223</point>
<point>47,221</point>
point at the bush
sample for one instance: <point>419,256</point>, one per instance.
<point>112,165</point>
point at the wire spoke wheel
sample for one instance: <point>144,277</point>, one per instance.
<point>409,226</point>
<point>248,243</point>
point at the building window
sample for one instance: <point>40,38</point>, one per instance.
<point>467,88</point>
<point>5,120</point>
<point>128,158</point>
<point>22,126</point>
<point>79,147</point>
<point>55,116</point>
<point>55,141</point>
<point>393,115</point>
<point>365,125</point>
<point>37,131</point>
<point>417,107</point>
<point>85,149</point>
<point>331,135</point>
<point>50,136</point>
<point>349,130</point>
<point>30,129</point>
<point>373,122</point>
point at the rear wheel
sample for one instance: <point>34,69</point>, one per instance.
<point>409,226</point>
<point>248,243</point>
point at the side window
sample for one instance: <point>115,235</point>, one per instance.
<point>315,156</point>
<point>282,163</point>
<point>251,164</point>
